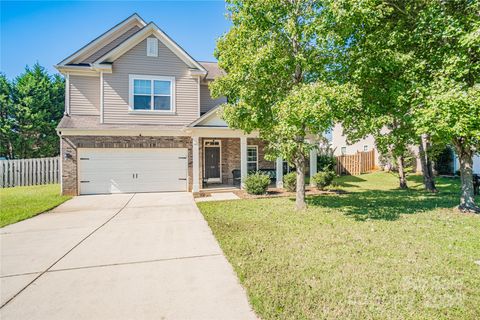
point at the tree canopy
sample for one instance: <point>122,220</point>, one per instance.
<point>278,59</point>
<point>418,64</point>
<point>31,107</point>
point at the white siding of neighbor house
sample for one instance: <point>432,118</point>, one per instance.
<point>136,61</point>
<point>339,141</point>
<point>84,95</point>
<point>206,101</point>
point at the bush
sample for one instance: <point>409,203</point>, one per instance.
<point>323,179</point>
<point>257,183</point>
<point>290,181</point>
<point>326,161</point>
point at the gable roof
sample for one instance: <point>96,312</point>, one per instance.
<point>210,119</point>
<point>132,21</point>
<point>99,54</point>
<point>149,29</point>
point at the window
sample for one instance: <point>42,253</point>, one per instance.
<point>252,158</point>
<point>344,150</point>
<point>365,148</point>
<point>149,93</point>
<point>152,47</point>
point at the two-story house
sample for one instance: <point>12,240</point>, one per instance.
<point>139,118</point>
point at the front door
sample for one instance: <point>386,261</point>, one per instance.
<point>212,163</point>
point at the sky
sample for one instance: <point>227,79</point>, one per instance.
<point>48,31</point>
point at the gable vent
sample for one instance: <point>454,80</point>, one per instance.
<point>152,47</point>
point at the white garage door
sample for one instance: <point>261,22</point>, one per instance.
<point>132,170</point>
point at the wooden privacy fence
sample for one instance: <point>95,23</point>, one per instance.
<point>29,172</point>
<point>355,164</point>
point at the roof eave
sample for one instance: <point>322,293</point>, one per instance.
<point>149,29</point>
<point>105,35</point>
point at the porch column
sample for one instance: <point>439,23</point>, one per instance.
<point>243,160</point>
<point>313,165</point>
<point>196,165</point>
<point>279,165</point>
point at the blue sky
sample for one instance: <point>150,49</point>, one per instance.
<point>48,31</point>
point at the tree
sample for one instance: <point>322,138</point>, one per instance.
<point>31,114</point>
<point>7,136</point>
<point>436,44</point>
<point>447,38</point>
<point>278,57</point>
<point>374,60</point>
<point>425,160</point>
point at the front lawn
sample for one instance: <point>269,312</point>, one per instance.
<point>20,203</point>
<point>374,253</point>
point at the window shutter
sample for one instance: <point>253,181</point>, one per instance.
<point>152,47</point>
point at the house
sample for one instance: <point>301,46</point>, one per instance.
<point>139,118</point>
<point>338,143</point>
<point>340,146</point>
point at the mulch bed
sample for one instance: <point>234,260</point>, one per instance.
<point>275,193</point>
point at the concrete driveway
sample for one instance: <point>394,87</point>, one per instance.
<point>128,256</point>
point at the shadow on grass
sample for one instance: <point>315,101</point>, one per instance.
<point>346,181</point>
<point>385,205</point>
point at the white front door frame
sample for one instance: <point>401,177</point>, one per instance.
<point>205,141</point>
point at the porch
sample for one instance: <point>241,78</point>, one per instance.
<point>222,163</point>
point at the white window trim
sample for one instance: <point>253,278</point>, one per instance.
<point>256,150</point>
<point>132,77</point>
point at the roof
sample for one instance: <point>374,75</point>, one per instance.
<point>122,37</point>
<point>210,119</point>
<point>104,39</point>
<point>213,70</point>
<point>93,123</point>
<point>150,29</point>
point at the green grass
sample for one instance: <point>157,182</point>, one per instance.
<point>374,253</point>
<point>20,203</point>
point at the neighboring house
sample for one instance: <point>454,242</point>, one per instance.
<point>338,142</point>
<point>340,146</point>
<point>139,118</point>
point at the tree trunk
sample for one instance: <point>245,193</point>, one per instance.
<point>426,163</point>
<point>401,173</point>
<point>467,198</point>
<point>300,171</point>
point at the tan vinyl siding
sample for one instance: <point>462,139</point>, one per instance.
<point>135,61</point>
<point>206,101</point>
<point>84,95</point>
<point>112,44</point>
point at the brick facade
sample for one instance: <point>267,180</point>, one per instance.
<point>230,154</point>
<point>71,143</point>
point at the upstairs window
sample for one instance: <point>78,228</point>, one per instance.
<point>152,47</point>
<point>150,93</point>
<point>343,150</point>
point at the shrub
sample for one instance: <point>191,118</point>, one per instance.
<point>257,183</point>
<point>323,178</point>
<point>326,161</point>
<point>290,181</point>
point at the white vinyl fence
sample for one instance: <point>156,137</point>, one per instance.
<point>29,172</point>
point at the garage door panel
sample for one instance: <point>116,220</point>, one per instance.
<point>132,170</point>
